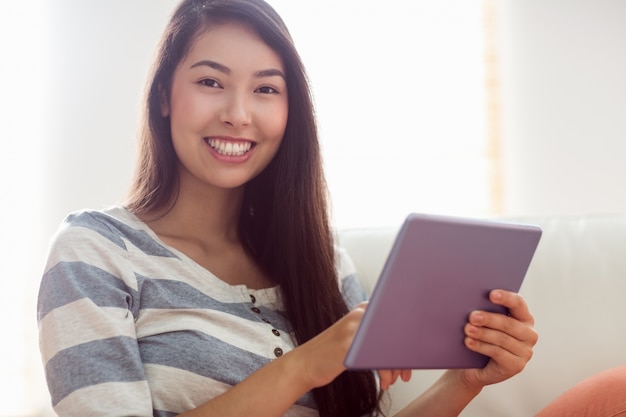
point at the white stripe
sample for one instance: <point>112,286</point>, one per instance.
<point>177,391</point>
<point>64,326</point>
<point>80,244</point>
<point>109,399</point>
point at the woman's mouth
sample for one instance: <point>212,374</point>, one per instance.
<point>228,148</point>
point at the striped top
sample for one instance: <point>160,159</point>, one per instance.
<point>129,326</point>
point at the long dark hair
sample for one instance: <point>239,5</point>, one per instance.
<point>288,234</point>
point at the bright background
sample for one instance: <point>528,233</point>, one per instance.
<point>406,121</point>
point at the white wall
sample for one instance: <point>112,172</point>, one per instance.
<point>21,249</point>
<point>99,53</point>
<point>564,105</point>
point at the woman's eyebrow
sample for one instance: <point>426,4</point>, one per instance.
<point>212,64</point>
<point>272,72</point>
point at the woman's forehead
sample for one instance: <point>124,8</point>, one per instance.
<point>234,43</point>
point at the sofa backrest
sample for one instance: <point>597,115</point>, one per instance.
<point>576,290</point>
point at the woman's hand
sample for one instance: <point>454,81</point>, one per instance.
<point>507,340</point>
<point>323,356</point>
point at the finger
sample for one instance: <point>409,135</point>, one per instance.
<point>394,375</point>
<point>506,362</point>
<point>386,379</point>
<point>406,375</point>
<point>499,339</point>
<point>507,325</point>
<point>515,303</point>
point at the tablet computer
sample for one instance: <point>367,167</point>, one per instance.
<point>440,268</point>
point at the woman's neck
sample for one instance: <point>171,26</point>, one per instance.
<point>203,226</point>
<point>204,215</point>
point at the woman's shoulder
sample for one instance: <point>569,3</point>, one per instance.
<point>111,218</point>
<point>115,225</point>
<point>90,224</point>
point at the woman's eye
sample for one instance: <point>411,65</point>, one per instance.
<point>267,90</point>
<point>208,82</point>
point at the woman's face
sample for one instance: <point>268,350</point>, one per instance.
<point>227,107</point>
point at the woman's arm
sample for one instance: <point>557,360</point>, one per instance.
<point>273,389</point>
<point>508,340</point>
<point>270,391</point>
<point>86,324</point>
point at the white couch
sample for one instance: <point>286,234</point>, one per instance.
<point>576,289</point>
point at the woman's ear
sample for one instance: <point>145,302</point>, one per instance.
<point>164,102</point>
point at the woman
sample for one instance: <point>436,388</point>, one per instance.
<point>216,289</point>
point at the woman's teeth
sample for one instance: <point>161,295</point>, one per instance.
<point>229,148</point>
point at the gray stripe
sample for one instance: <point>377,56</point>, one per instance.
<point>204,355</point>
<point>114,230</point>
<point>108,360</point>
<point>67,282</point>
<point>200,354</point>
<point>172,295</point>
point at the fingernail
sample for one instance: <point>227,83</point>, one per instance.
<point>477,317</point>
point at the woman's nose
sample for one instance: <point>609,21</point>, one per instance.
<point>236,111</point>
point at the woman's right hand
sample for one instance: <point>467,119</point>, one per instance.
<point>321,358</point>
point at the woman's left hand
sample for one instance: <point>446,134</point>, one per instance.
<point>507,340</point>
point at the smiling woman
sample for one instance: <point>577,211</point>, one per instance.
<point>384,100</point>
